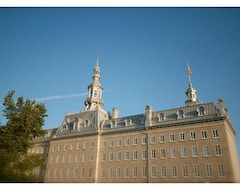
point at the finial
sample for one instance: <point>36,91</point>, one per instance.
<point>97,64</point>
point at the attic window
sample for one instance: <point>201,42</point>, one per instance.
<point>201,111</point>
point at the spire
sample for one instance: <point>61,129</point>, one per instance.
<point>94,99</point>
<point>191,92</point>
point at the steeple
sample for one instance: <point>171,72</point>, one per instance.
<point>94,100</point>
<point>191,92</point>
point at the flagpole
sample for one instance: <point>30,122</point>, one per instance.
<point>189,71</point>
<point>189,78</point>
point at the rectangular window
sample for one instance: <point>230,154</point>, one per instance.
<point>126,155</point>
<point>215,133</point>
<point>111,156</point>
<point>144,155</point>
<point>83,158</point>
<point>63,159</point>
<point>65,147</point>
<point>110,172</point>
<point>144,171</point>
<point>173,152</point>
<point>144,140</point>
<point>118,172</point>
<point>78,146</point>
<point>104,144</point>
<point>153,154</point>
<point>70,159</point>
<point>204,134</point>
<point>103,156</point>
<point>57,159</point>
<point>71,147</point>
<point>134,171</point>
<point>154,173</point>
<point>135,155</point>
<point>119,156</point>
<point>111,143</point>
<point>127,142</point>
<point>183,152</point>
<point>119,142</point>
<point>163,171</point>
<point>82,172</point>
<point>192,135</point>
<point>153,139</point>
<point>196,169</point>
<point>218,150</point>
<point>161,138</point>
<point>174,171</point>
<point>182,136</point>
<point>84,145</point>
<point>76,158</point>
<point>208,170</point>
<point>194,151</point>
<point>206,151</point>
<point>171,137</point>
<point>126,172</point>
<point>135,141</point>
<point>92,144</point>
<point>102,172</point>
<point>220,170</point>
<point>91,157</point>
<point>162,153</point>
<point>185,170</point>
<point>90,172</point>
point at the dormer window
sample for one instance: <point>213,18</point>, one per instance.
<point>161,117</point>
<point>201,111</point>
<point>180,114</point>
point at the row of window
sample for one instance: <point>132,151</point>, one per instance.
<point>135,141</point>
<point>162,138</point>
<point>180,114</point>
<point>163,171</point>
<point>164,153</point>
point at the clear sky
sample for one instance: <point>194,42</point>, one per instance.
<point>49,54</point>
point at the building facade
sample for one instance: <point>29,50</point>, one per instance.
<point>193,143</point>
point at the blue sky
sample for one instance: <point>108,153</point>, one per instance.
<point>51,52</point>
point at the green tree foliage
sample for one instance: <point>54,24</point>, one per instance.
<point>25,119</point>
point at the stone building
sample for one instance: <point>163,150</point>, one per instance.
<point>193,143</point>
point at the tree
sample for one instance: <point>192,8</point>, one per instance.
<point>25,119</point>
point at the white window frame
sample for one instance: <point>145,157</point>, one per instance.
<point>183,152</point>
<point>171,137</point>
<point>162,153</point>
<point>218,150</point>
<point>193,135</point>
<point>144,154</point>
<point>135,155</point>
<point>161,138</point>
<point>206,152</point>
<point>135,141</point>
<point>194,151</point>
<point>204,134</point>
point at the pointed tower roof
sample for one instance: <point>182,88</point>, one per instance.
<point>94,99</point>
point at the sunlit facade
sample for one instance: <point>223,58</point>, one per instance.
<point>193,143</point>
